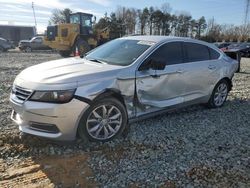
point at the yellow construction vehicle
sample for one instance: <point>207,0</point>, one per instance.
<point>78,33</point>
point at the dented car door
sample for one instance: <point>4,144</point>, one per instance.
<point>164,86</point>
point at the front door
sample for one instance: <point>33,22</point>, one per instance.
<point>162,88</point>
<point>36,43</point>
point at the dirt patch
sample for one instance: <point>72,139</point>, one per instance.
<point>205,174</point>
<point>50,171</point>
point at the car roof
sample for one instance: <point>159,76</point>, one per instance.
<point>152,38</point>
<point>162,39</point>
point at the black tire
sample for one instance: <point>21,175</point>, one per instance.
<point>28,49</point>
<point>84,128</point>
<point>1,49</point>
<point>212,101</point>
<point>238,70</point>
<point>83,46</point>
<point>65,53</point>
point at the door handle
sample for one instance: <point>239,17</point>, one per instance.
<point>155,76</point>
<point>212,67</point>
<point>176,72</point>
<point>179,71</point>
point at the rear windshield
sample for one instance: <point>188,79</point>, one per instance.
<point>121,52</point>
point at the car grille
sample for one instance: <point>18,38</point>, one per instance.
<point>20,94</point>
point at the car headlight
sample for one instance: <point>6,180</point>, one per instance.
<point>53,96</point>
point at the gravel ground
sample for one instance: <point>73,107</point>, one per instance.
<point>191,147</point>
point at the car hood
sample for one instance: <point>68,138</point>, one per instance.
<point>69,72</point>
<point>24,41</point>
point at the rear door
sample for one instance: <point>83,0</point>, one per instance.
<point>200,71</point>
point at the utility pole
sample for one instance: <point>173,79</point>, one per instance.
<point>34,14</point>
<point>246,18</point>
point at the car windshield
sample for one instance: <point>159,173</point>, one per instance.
<point>234,45</point>
<point>3,39</point>
<point>223,45</point>
<point>119,52</point>
<point>34,38</point>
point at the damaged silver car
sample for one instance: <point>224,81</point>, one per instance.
<point>121,81</point>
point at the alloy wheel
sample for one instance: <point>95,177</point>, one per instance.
<point>220,94</point>
<point>104,122</point>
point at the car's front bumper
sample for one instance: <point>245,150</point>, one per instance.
<point>55,121</point>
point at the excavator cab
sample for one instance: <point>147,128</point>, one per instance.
<point>85,22</point>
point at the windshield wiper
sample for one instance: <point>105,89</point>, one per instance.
<point>96,60</point>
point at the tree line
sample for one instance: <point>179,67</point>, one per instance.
<point>152,21</point>
<point>160,21</point>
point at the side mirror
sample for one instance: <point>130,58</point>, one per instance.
<point>158,65</point>
<point>145,65</point>
<point>152,64</point>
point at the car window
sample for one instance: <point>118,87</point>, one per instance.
<point>75,18</point>
<point>86,21</point>
<point>213,54</point>
<point>196,52</point>
<point>119,52</point>
<point>38,40</point>
<point>233,46</point>
<point>223,45</point>
<point>244,45</point>
<point>170,53</point>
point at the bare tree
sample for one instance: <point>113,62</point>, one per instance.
<point>130,20</point>
<point>213,33</point>
<point>166,8</point>
<point>143,19</point>
<point>157,21</point>
<point>60,16</point>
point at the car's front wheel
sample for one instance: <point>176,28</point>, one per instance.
<point>28,49</point>
<point>219,94</point>
<point>103,121</point>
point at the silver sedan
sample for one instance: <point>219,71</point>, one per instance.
<point>127,79</point>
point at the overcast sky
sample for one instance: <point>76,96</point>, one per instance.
<point>19,12</point>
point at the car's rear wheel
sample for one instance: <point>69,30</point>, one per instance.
<point>103,120</point>
<point>219,94</point>
<point>1,49</point>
